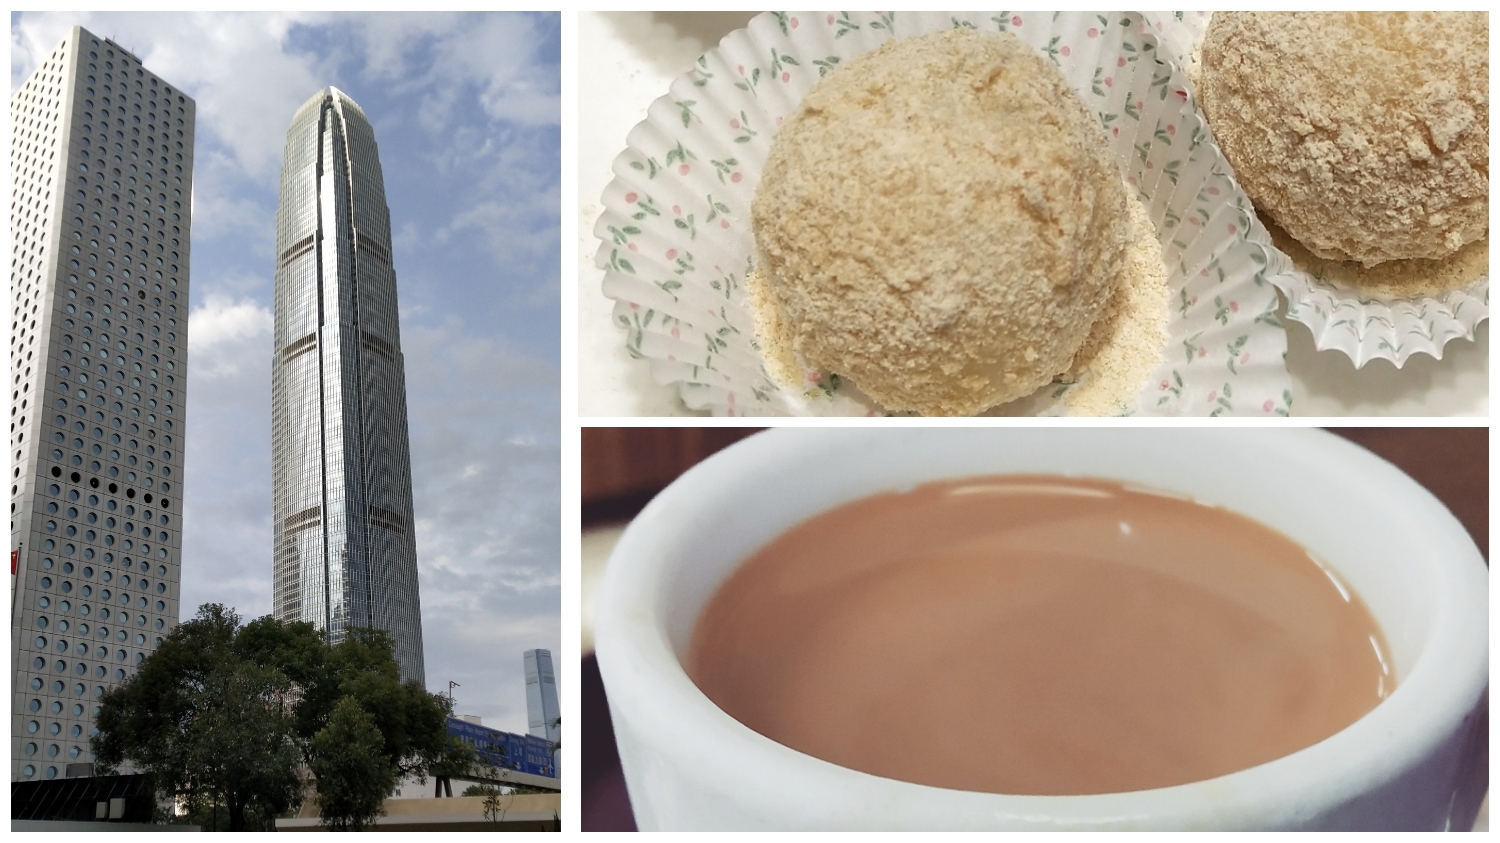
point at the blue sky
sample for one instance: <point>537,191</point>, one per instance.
<point>466,112</point>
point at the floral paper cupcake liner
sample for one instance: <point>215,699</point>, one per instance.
<point>676,241</point>
<point>1363,326</point>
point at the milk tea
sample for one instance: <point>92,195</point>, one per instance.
<point>1038,635</point>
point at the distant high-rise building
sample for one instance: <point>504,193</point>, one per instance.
<point>542,714</point>
<point>101,202</point>
<point>345,550</point>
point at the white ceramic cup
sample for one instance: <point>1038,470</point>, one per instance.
<point>1419,760</point>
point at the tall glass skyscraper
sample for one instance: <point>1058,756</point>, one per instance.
<point>345,552</point>
<point>101,202</point>
<point>542,713</point>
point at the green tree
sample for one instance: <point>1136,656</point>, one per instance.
<point>227,715</point>
<point>239,748</point>
<point>412,722</point>
<point>354,774</point>
<point>210,728</point>
<point>457,758</point>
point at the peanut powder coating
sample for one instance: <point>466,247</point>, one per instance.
<point>1365,135</point>
<point>941,222</point>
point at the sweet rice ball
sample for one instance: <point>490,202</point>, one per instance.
<point>1364,135</point>
<point>941,221</point>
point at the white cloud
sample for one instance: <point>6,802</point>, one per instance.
<point>227,337</point>
<point>497,53</point>
<point>235,66</point>
<point>485,471</point>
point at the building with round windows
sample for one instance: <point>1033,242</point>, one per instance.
<point>102,164</point>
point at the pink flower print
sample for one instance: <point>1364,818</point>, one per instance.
<point>1244,358</point>
<point>1116,131</point>
<point>1015,21</point>
<point>683,170</point>
<point>723,223</point>
<point>1140,104</point>
<point>1121,62</point>
<point>786,76</point>
<point>740,68</point>
<point>1093,32</point>
<point>631,247</point>
<point>676,333</point>
<point>734,122</point>
<point>1182,95</point>
<point>677,210</point>
<point>1268,406</point>
<point>830,20</point>
<point>814,376</point>
<point>735,177</point>
<point>672,357</point>
<point>1234,307</point>
<point>1109,81</point>
<point>671,254</point>
<point>1150,166</point>
<point>1172,128</point>
<point>1202,352</point>
<point>1233,228</point>
<point>1066,52</point>
<point>634,306</point>
<point>1195,298</point>
<point>1213,191</point>
<point>795,23</point>
<point>1212,396</point>
<point>1163,386</point>
<point>630,198</point>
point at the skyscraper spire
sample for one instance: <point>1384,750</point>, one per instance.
<point>345,547</point>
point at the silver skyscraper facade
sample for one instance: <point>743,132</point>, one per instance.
<point>542,713</point>
<point>102,168</point>
<point>345,549</point>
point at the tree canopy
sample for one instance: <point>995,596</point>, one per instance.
<point>354,775</point>
<point>230,714</point>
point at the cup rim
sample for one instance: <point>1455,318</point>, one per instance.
<point>647,685</point>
